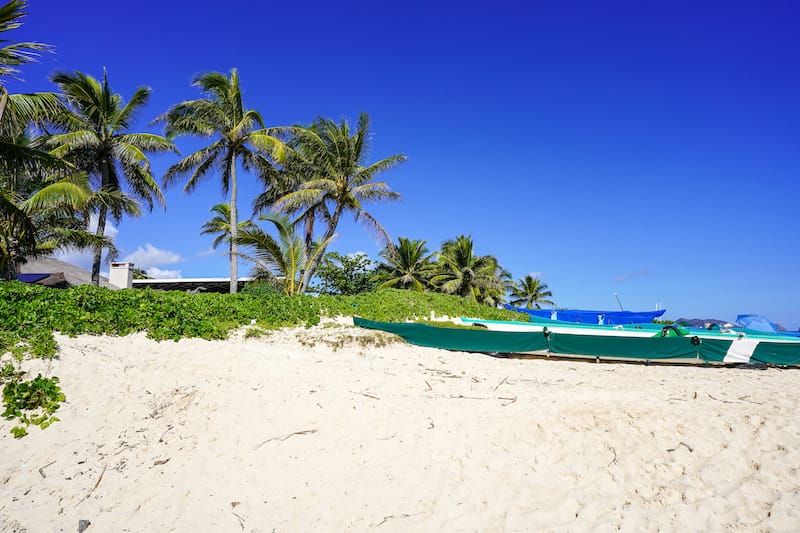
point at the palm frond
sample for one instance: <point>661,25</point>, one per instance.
<point>64,143</point>
<point>23,110</point>
<point>123,118</point>
<point>61,192</point>
<point>194,117</point>
<point>196,164</point>
<point>148,142</point>
<point>298,199</point>
<point>142,183</point>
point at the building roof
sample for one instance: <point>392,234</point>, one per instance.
<point>72,274</point>
<point>189,284</point>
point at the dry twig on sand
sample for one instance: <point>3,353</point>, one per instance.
<point>284,437</point>
<point>365,394</point>
<point>614,460</point>
<point>99,479</point>
<point>498,385</point>
<point>41,470</point>
<point>508,401</point>
<point>682,444</point>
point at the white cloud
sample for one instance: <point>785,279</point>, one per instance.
<point>110,230</point>
<point>157,273</point>
<point>206,253</point>
<point>149,256</point>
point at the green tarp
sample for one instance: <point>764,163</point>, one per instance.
<point>777,353</point>
<point>465,340</point>
<point>625,347</point>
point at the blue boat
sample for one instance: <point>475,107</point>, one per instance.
<point>584,316</point>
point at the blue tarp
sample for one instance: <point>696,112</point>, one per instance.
<point>31,278</point>
<point>583,316</point>
<point>760,323</point>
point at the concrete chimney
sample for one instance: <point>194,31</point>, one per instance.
<point>121,275</point>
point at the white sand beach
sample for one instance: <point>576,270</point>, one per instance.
<point>290,432</point>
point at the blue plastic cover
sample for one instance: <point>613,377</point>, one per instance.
<point>583,316</point>
<point>31,278</point>
<point>760,323</point>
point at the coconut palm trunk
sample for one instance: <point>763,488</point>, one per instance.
<point>3,101</point>
<point>101,229</point>
<point>98,249</point>
<point>234,287</point>
<point>317,257</point>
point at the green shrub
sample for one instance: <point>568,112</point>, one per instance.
<point>30,313</point>
<point>33,402</point>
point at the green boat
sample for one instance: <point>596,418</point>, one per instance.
<point>641,342</point>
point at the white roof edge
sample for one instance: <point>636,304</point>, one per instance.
<point>192,280</point>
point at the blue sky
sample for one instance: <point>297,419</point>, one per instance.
<point>646,149</point>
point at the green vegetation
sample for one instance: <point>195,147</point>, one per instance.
<point>32,402</point>
<point>531,293</point>
<point>460,271</point>
<point>280,262</point>
<point>346,274</point>
<point>409,265</point>
<point>28,309</point>
<point>220,224</point>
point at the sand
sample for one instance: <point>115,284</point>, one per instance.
<point>314,430</point>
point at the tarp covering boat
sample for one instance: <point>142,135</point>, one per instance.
<point>464,340</point>
<point>707,348</point>
<point>584,316</point>
<point>763,324</point>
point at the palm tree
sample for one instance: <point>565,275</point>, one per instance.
<point>53,216</point>
<point>239,137</point>
<point>281,261</point>
<point>408,265</point>
<point>337,179</point>
<point>531,292</point>
<point>42,199</point>
<point>15,54</point>
<point>463,273</point>
<point>221,224</point>
<point>94,138</point>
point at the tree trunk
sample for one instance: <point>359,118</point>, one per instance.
<point>98,248</point>
<point>309,234</point>
<point>101,228</point>
<point>3,101</point>
<point>234,288</point>
<point>312,266</point>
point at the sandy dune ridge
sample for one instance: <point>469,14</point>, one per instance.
<point>319,429</point>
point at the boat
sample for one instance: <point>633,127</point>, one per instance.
<point>586,316</point>
<point>638,342</point>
